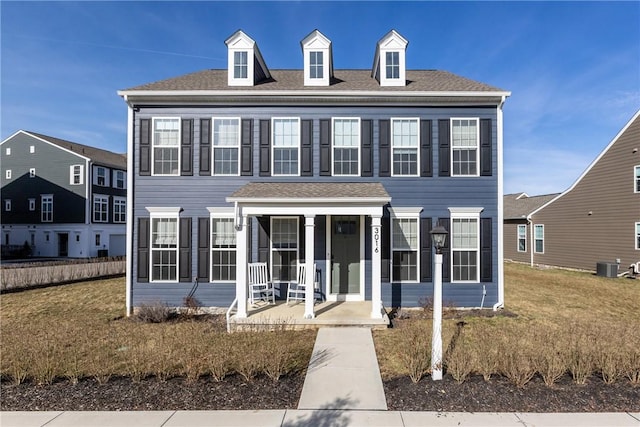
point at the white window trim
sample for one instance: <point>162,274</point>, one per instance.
<point>536,239</point>
<point>216,213</point>
<point>32,172</point>
<point>405,213</point>
<point>72,174</point>
<point>32,149</point>
<point>42,198</point>
<point>153,151</point>
<point>106,176</point>
<point>237,81</point>
<point>115,179</point>
<point>297,219</point>
<point>238,146</point>
<point>119,199</point>
<point>7,205</point>
<point>402,78</point>
<point>32,205</point>
<point>273,147</point>
<point>333,145</point>
<point>636,178</point>
<point>8,151</point>
<point>465,213</point>
<point>477,120</point>
<point>104,201</point>
<point>158,213</point>
<point>417,174</point>
<point>7,174</point>
<point>637,234</point>
<point>519,226</point>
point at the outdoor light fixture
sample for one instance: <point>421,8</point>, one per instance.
<point>439,237</point>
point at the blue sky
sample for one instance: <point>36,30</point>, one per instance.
<point>573,67</point>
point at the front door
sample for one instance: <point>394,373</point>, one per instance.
<point>63,244</point>
<point>345,257</point>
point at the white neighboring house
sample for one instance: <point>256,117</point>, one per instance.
<point>62,198</point>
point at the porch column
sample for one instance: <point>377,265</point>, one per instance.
<point>309,295</point>
<point>376,250</point>
<point>241,266</point>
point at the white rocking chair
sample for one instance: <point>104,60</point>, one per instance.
<point>260,287</point>
<point>297,289</point>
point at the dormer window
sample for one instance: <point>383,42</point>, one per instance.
<point>245,64</point>
<point>389,64</point>
<point>318,63</point>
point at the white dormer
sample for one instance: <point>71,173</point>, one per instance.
<point>389,62</point>
<point>318,59</point>
<point>246,66</point>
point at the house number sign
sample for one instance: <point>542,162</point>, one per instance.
<point>376,239</point>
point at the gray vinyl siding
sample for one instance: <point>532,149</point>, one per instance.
<point>52,177</point>
<point>434,194</point>
<point>595,220</point>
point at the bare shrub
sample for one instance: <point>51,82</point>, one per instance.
<point>247,347</point>
<point>414,350</point>
<point>219,355</point>
<point>551,358</point>
<point>632,366</point>
<point>192,305</point>
<point>517,349</point>
<point>192,339</point>
<point>45,367</point>
<point>487,355</point>
<point>155,312</point>
<point>276,354</point>
<point>163,349</point>
<point>17,354</point>
<point>460,357</point>
<point>581,353</point>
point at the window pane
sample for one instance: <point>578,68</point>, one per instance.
<point>164,232</point>
<point>316,65</point>
<point>464,265</point>
<point>405,265</point>
<point>393,65</point>
<point>240,65</point>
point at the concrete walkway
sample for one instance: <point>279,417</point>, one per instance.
<point>343,372</point>
<point>310,418</point>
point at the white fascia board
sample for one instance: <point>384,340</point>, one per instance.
<point>588,169</point>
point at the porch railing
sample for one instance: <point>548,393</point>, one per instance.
<point>229,310</point>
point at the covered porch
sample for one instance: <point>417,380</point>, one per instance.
<point>311,201</point>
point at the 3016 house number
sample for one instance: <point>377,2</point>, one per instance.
<point>376,239</point>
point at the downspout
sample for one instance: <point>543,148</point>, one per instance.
<point>129,236</point>
<point>532,243</point>
<point>500,302</point>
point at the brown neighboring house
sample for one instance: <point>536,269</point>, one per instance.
<point>596,220</point>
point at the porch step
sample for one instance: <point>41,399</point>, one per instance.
<point>343,372</point>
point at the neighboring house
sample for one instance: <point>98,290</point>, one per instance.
<point>345,169</point>
<point>518,232</point>
<point>596,220</point>
<point>62,198</point>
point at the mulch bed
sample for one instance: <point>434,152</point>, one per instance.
<point>473,395</point>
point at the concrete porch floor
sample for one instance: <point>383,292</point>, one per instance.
<point>327,313</point>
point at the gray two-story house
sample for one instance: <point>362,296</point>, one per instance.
<point>345,170</point>
<point>62,198</point>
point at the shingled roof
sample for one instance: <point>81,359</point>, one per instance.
<point>97,155</point>
<point>344,80</point>
<point>279,191</point>
<point>520,205</point>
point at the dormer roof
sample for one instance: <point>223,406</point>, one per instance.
<point>248,67</point>
<point>317,55</point>
<point>390,70</point>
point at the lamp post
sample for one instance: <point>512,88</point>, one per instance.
<point>439,236</point>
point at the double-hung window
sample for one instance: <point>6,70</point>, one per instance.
<point>166,146</point>
<point>522,238</point>
<point>101,176</point>
<point>346,146</point>
<point>404,146</point>
<point>465,244</point>
<point>240,65</point>
<point>119,210</point>
<point>76,174</point>
<point>392,65</point>
<point>286,146</point>
<point>46,208</point>
<point>636,185</point>
<point>316,65</point>
<point>119,179</point>
<point>284,248</point>
<point>223,248</point>
<point>538,235</point>
<point>226,146</point>
<point>404,247</point>
<point>465,134</point>
<point>164,247</point>
<point>100,208</point>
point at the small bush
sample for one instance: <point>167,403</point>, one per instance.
<point>156,312</point>
<point>415,349</point>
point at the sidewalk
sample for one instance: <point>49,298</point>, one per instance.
<point>311,418</point>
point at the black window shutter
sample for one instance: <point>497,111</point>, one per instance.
<point>143,249</point>
<point>486,270</point>
<point>385,255</point>
<point>205,147</point>
<point>184,251</point>
<point>301,238</point>
<point>203,249</point>
<point>446,250</point>
<point>265,148</point>
<point>426,155</point>
<point>385,147</point>
<point>306,156</point>
<point>366,147</point>
<point>325,147</point>
<point>443,148</point>
<point>486,166</point>
<point>246,149</point>
<point>186,169</point>
<point>145,147</point>
<point>426,252</point>
<point>263,238</point>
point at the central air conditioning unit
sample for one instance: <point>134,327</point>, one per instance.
<point>607,269</point>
